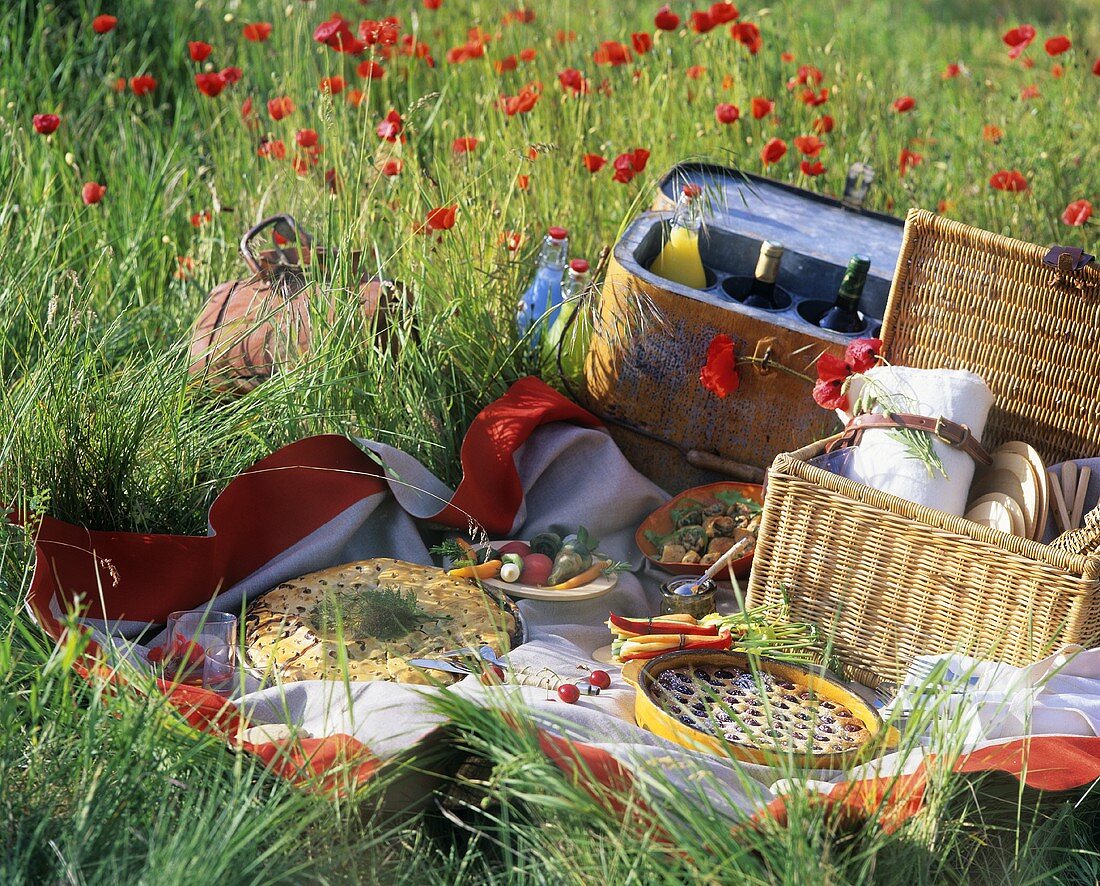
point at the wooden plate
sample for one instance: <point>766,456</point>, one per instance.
<point>993,514</point>
<point>660,522</point>
<point>1019,522</point>
<point>1040,468</point>
<point>593,589</point>
<point>1029,485</point>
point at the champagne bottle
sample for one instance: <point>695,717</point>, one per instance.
<point>762,292</point>
<point>843,316</point>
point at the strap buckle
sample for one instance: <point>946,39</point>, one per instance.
<point>951,433</point>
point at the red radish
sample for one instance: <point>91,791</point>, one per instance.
<point>515,547</point>
<point>536,569</point>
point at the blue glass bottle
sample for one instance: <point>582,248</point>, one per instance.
<point>544,293</point>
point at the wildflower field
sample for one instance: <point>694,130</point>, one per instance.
<point>441,138</point>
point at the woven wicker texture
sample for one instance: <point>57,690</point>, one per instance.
<point>888,579</point>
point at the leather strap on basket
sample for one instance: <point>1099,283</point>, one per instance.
<point>950,432</point>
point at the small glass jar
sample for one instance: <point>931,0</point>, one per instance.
<point>688,595</point>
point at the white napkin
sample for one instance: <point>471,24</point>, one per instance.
<point>1059,695</point>
<point>883,461</point>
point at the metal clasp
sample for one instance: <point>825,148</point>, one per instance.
<point>951,433</point>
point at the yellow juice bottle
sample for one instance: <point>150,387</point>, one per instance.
<point>679,259</point>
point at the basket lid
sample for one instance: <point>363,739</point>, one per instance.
<point>964,298</point>
<point>803,221</point>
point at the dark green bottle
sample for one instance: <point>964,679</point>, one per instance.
<point>843,316</point>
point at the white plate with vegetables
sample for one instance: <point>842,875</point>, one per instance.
<point>545,567</point>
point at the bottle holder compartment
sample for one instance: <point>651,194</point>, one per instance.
<point>805,288</point>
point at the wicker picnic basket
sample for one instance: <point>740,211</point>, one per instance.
<point>889,579</point>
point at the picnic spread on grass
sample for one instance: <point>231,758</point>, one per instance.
<point>798,508</point>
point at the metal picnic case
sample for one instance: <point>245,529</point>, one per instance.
<point>888,579</point>
<point>652,335</point>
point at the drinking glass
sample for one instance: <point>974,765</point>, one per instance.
<point>219,669</point>
<point>190,634</point>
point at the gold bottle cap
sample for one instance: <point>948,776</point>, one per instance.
<point>771,249</point>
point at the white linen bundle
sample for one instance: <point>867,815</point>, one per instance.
<point>884,461</point>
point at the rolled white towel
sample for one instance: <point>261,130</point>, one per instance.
<point>883,461</point>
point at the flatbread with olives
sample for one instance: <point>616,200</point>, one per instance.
<point>365,619</point>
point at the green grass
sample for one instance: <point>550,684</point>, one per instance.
<point>99,423</point>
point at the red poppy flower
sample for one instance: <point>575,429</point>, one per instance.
<point>92,193</point>
<point>1077,213</point>
<point>951,71</point>
<point>142,84</point>
<point>1096,67</point>
<point>432,4</point>
<point>199,51</point>
<point>806,75</point>
<point>523,182</point>
<point>810,145</point>
<point>830,394</point>
<point>336,34</point>
<point>210,84</point>
<point>300,165</point>
<point>522,102</point>
<point>1008,180</point>
<point>103,24</point>
<point>231,74</point>
<point>641,42</point>
<point>512,240</point>
<point>246,108</point>
<point>862,354</point>
<point>1018,39</point>
<point>257,32</point>
<point>761,107</point>
<point>370,70</point>
<point>198,219</point>
<point>727,113</point>
<point>280,107</point>
<point>905,103</point>
<point>612,53</point>
<point>1057,45</point>
<point>1028,63</point>
<point>1057,71</point>
<point>306,138</point>
<point>907,160</point>
<point>723,13</point>
<point>528,55</point>
<point>748,35</point>
<point>441,219</point>
<point>463,145</point>
<point>701,22</point>
<point>813,99</point>
<point>355,97</point>
<point>629,165</point>
<point>392,167</point>
<point>773,151</point>
<point>119,85</point>
<point>573,80</point>
<point>1028,92</point>
<point>666,19</point>
<point>695,72</point>
<point>593,162</point>
<point>274,149</point>
<point>992,133</point>
<point>383,33</point>
<point>44,124</point>
<point>815,168</point>
<point>561,36</point>
<point>390,127</point>
<point>719,374</point>
<point>332,85</point>
<point>508,63</point>
<point>823,125</point>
